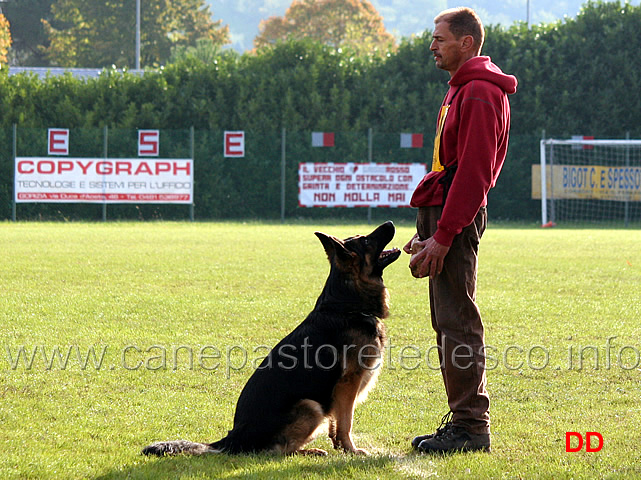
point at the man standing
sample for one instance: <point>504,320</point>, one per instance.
<point>469,150</point>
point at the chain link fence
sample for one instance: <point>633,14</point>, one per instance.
<point>261,184</point>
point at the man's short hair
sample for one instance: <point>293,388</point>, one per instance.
<point>463,21</point>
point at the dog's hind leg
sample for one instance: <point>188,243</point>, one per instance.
<point>319,452</point>
<point>307,417</point>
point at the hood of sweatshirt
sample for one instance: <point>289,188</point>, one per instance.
<point>482,68</point>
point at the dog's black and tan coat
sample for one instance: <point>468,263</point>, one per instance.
<point>317,374</point>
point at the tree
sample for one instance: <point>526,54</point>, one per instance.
<point>338,23</point>
<point>5,39</point>
<point>205,51</point>
<point>94,33</point>
<point>27,31</point>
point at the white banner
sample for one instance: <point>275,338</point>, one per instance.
<point>358,184</point>
<point>103,180</point>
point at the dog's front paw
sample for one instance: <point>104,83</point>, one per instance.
<point>359,451</point>
<point>345,442</point>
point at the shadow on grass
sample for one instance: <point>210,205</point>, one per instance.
<point>251,466</point>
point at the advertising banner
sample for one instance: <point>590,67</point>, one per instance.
<point>358,184</point>
<point>589,182</point>
<point>103,180</point>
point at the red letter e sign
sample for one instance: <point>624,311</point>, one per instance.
<point>148,143</point>
<point>58,141</point>
<point>234,144</point>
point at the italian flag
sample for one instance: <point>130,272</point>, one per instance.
<point>583,137</point>
<point>322,139</point>
<point>411,140</point>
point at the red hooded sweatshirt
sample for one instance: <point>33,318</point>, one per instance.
<point>475,138</point>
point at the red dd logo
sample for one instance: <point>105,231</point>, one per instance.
<point>577,445</point>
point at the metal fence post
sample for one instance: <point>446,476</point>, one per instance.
<point>192,137</point>
<point>544,183</point>
<point>626,205</point>
<point>370,141</point>
<point>106,155</point>
<point>15,154</point>
<point>283,163</point>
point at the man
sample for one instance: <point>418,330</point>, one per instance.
<point>469,150</point>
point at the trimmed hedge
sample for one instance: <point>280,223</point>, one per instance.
<point>574,78</point>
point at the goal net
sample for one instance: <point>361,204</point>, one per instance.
<point>589,181</point>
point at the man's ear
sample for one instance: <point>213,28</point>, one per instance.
<point>467,43</point>
<point>333,247</point>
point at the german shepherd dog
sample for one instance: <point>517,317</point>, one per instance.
<point>317,374</point>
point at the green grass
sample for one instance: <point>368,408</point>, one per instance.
<point>146,296</point>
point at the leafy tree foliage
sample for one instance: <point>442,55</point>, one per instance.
<point>5,39</point>
<point>27,30</point>
<point>94,33</point>
<point>337,23</point>
<point>205,51</point>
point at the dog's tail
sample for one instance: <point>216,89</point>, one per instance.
<point>179,447</point>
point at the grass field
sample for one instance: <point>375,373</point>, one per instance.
<point>116,335</point>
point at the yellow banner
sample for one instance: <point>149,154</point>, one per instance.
<point>589,182</point>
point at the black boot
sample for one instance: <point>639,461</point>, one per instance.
<point>455,439</point>
<point>446,423</point>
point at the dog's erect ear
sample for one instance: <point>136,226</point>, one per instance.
<point>333,247</point>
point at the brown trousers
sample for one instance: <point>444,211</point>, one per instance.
<point>457,322</point>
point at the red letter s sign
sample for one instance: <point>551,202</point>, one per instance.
<point>148,143</point>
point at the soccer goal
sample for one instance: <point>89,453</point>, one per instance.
<point>589,181</point>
